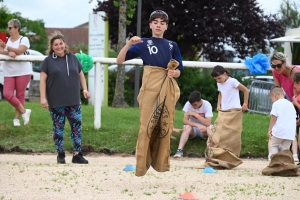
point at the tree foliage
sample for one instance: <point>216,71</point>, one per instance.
<point>33,29</point>
<point>130,8</point>
<point>125,9</point>
<point>206,26</point>
<point>289,12</point>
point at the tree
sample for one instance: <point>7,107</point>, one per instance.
<point>119,99</point>
<point>206,26</point>
<point>33,29</point>
<point>126,8</point>
<point>289,12</point>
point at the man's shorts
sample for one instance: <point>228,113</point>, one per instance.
<point>197,133</point>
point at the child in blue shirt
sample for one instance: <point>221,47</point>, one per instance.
<point>158,94</point>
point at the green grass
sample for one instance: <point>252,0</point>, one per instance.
<point>118,132</point>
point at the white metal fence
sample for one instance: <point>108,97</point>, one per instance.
<point>99,61</point>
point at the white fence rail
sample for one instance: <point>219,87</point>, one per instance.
<point>193,64</point>
<point>99,61</point>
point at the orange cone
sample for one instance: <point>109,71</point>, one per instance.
<point>188,196</point>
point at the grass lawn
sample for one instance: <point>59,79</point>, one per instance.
<point>118,132</point>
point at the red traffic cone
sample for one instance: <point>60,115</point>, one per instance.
<point>188,196</point>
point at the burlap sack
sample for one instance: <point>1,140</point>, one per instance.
<point>282,164</point>
<point>157,99</point>
<point>224,152</point>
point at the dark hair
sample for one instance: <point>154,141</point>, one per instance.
<point>194,96</point>
<point>159,14</point>
<point>219,70</point>
<point>296,77</point>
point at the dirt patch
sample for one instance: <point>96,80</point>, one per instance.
<point>89,150</point>
<point>37,176</point>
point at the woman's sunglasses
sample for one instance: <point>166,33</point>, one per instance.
<point>278,65</point>
<point>9,28</point>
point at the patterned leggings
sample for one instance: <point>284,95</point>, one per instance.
<point>74,116</point>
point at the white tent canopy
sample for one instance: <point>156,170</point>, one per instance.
<point>290,38</point>
<point>291,44</point>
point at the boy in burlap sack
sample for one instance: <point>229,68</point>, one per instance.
<point>224,137</point>
<point>281,132</point>
<point>282,164</point>
<point>158,94</point>
<point>283,72</point>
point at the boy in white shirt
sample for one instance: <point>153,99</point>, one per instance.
<point>283,121</point>
<point>197,117</point>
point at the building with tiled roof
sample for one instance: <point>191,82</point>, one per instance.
<point>75,37</point>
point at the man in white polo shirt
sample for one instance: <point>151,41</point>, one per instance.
<point>197,117</point>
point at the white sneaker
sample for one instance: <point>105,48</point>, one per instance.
<point>178,154</point>
<point>295,156</point>
<point>17,122</point>
<point>26,116</point>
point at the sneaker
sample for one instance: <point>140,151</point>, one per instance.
<point>79,159</point>
<point>178,154</point>
<point>17,122</point>
<point>296,159</point>
<point>26,116</point>
<point>61,158</point>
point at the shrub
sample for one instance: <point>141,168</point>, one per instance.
<point>197,79</point>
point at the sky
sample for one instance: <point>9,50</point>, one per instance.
<point>72,13</point>
<point>55,13</point>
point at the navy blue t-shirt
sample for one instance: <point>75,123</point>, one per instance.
<point>155,52</point>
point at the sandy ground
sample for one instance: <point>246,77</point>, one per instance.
<point>39,177</point>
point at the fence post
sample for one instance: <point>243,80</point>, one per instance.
<point>98,99</point>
